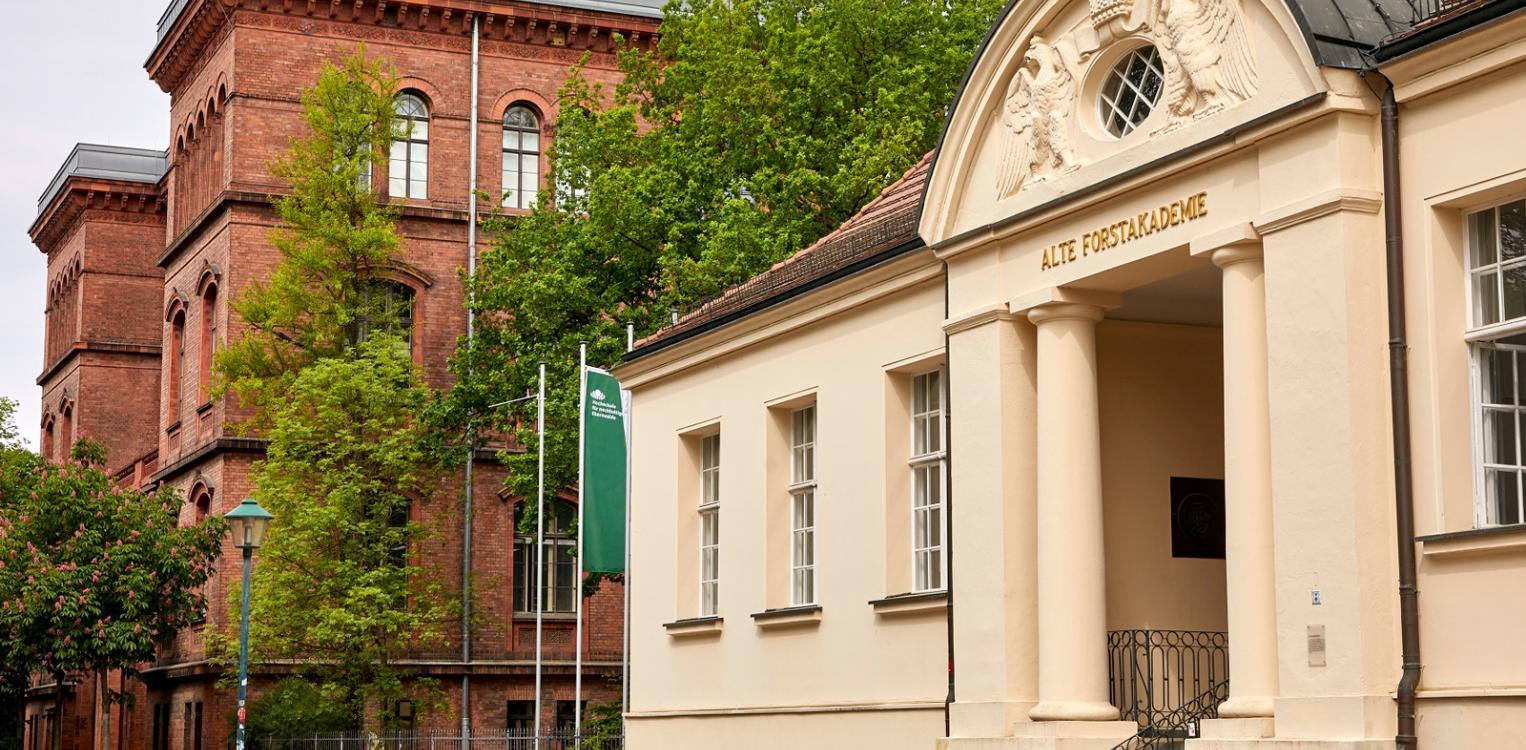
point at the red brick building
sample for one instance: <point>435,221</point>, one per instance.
<point>145,249</point>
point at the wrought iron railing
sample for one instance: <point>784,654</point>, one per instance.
<point>1426,11</point>
<point>1173,729</point>
<point>555,740</point>
<point>1152,673</point>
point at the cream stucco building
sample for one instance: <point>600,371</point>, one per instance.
<point>1176,398</point>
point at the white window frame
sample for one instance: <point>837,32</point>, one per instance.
<point>709,525</point>
<point>411,140</point>
<point>929,459</point>
<point>1483,338</point>
<point>526,155</point>
<point>802,494</point>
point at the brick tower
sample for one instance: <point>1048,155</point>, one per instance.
<point>145,249</point>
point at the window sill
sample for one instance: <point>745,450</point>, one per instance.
<point>921,602</point>
<point>695,626</point>
<point>172,428</point>
<point>546,616</point>
<point>204,408</point>
<point>788,617</point>
<point>1492,540</point>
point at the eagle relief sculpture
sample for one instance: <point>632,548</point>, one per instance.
<point>1206,54</point>
<point>1039,107</point>
<point>1206,62</point>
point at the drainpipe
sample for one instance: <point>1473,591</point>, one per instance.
<point>948,508</point>
<point>471,434</point>
<point>1398,373</point>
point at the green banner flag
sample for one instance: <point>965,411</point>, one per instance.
<point>603,475</point>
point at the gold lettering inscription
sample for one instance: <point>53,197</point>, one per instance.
<point>1122,232</point>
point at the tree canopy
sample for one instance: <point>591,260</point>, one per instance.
<point>93,576</point>
<point>755,128</point>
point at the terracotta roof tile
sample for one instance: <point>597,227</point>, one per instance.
<point>887,222</point>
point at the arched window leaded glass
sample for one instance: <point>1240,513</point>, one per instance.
<point>408,170</point>
<point>521,157</point>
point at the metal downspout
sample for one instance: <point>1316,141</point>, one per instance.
<point>471,434</point>
<point>1398,372</point>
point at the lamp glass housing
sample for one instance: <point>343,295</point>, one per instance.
<point>249,523</point>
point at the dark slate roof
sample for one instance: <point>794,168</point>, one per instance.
<point>106,162</point>
<point>884,227</point>
<point>642,8</point>
<point>1339,31</point>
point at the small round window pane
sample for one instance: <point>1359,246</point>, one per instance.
<point>1131,91</point>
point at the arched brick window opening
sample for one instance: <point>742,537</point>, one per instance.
<point>47,438</point>
<point>386,304</point>
<point>408,169</point>
<point>560,565</point>
<point>176,354</point>
<point>208,342</point>
<point>201,502</point>
<point>521,156</point>
<point>65,432</point>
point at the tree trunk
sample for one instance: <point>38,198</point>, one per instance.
<point>105,708</point>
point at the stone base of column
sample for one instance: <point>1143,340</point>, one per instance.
<point>1247,707</point>
<point>1073,711</point>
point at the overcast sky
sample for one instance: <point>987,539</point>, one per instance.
<point>76,74</point>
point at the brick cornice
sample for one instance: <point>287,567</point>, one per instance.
<point>207,452</point>
<point>81,194</point>
<point>568,30</point>
<point>112,347</point>
<point>228,198</point>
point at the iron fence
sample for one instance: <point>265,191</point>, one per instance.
<point>1153,673</point>
<point>555,740</point>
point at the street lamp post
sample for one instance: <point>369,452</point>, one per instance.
<point>248,522</point>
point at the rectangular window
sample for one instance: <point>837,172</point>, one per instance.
<point>521,719</point>
<point>198,714</point>
<point>1496,254</point>
<point>802,491</point>
<point>710,525</point>
<point>927,482</point>
<point>560,589</point>
<point>565,718</point>
<point>159,738</point>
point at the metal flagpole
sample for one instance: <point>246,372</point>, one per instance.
<point>577,698</point>
<point>540,543</point>
<point>625,672</point>
<point>625,626</point>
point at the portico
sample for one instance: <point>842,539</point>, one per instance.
<point>1225,235</point>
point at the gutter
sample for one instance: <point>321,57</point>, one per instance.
<point>1426,34</point>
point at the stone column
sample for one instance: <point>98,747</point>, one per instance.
<point>1072,587</point>
<point>1249,576</point>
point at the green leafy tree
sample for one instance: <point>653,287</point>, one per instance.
<point>93,575</point>
<point>324,365</point>
<point>341,586</point>
<point>754,129</point>
<point>336,238</point>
